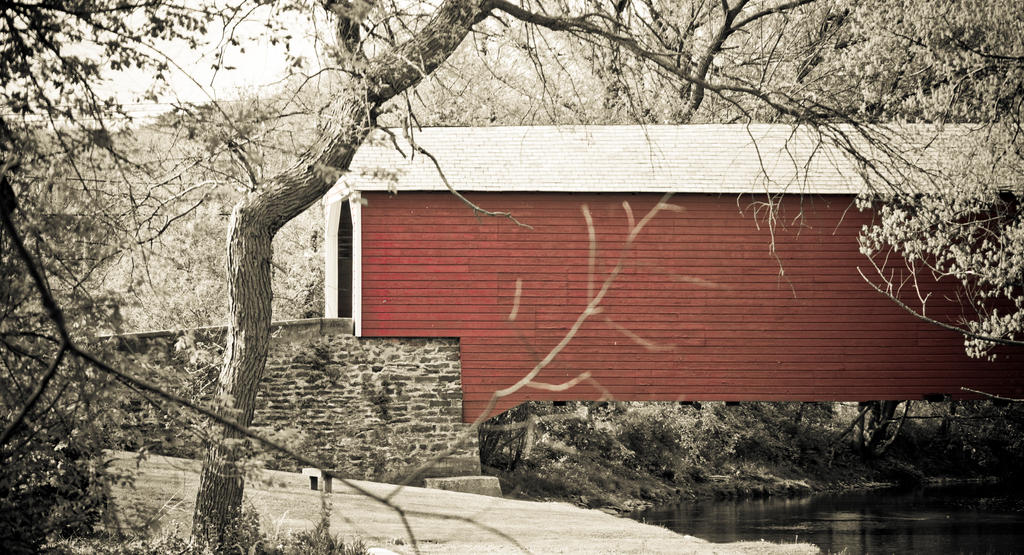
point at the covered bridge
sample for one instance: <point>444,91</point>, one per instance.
<point>700,306</point>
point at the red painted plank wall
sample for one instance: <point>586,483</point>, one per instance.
<point>699,310</point>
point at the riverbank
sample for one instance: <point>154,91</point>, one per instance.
<point>427,520</point>
<point>600,484</point>
<point>624,457</point>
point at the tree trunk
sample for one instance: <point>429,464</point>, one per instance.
<point>258,217</point>
<point>881,422</point>
<point>219,499</point>
<point>254,222</point>
<point>858,439</point>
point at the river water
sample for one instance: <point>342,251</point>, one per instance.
<point>940,520</point>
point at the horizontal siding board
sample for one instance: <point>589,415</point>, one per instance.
<point>671,321</point>
<point>730,320</point>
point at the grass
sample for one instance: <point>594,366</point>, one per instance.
<point>435,521</point>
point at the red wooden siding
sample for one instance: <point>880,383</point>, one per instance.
<point>700,287</point>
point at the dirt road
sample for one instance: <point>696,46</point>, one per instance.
<point>435,521</point>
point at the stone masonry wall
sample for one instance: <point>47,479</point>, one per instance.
<point>371,408</point>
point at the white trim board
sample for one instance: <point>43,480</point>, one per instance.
<point>357,264</point>
<point>332,220</point>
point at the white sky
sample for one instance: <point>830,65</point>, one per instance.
<point>257,70</point>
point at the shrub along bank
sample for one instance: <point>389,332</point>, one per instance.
<point>624,456</point>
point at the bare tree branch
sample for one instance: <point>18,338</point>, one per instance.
<point>477,209</point>
<point>30,403</point>
<point>993,396</point>
<point>965,332</point>
<point>581,25</point>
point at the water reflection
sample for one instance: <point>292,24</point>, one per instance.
<point>962,519</point>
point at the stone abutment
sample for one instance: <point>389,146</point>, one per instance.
<point>369,408</point>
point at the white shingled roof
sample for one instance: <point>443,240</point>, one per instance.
<point>737,158</point>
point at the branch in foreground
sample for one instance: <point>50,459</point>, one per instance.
<point>51,371</point>
<point>593,308</point>
<point>477,209</point>
<point>941,324</point>
<point>993,395</point>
